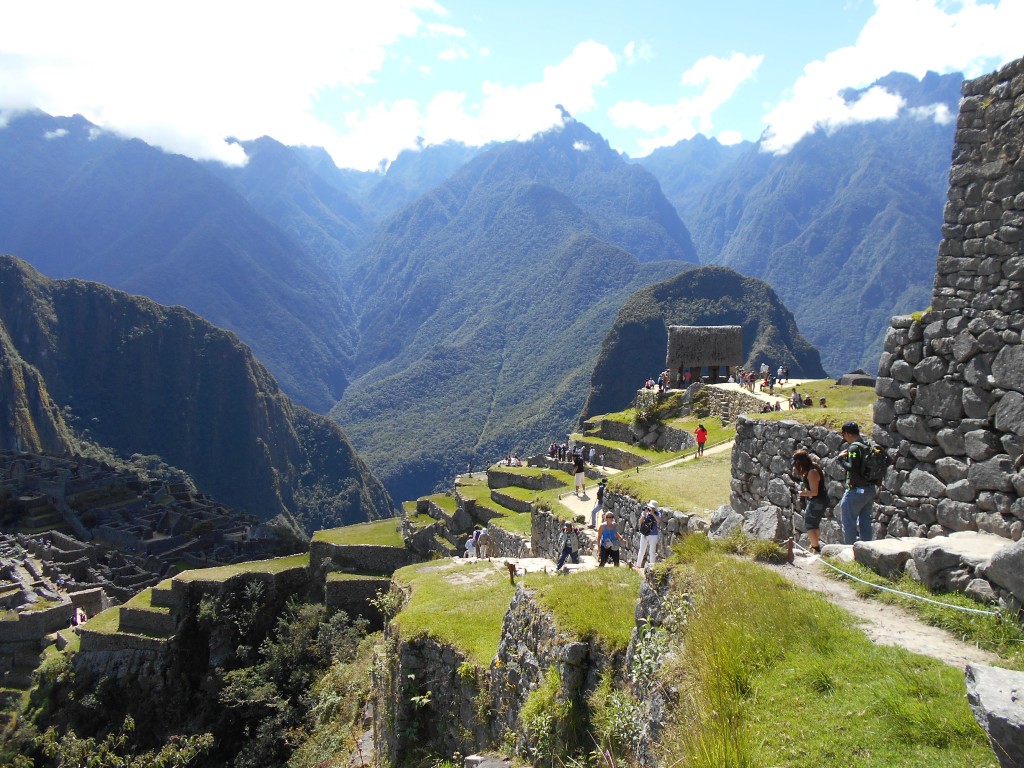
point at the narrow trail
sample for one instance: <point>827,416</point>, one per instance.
<point>883,623</point>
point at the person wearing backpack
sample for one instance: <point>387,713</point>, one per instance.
<point>601,487</point>
<point>859,498</point>
<point>568,545</point>
<point>648,527</point>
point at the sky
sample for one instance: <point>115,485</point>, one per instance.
<point>366,80</point>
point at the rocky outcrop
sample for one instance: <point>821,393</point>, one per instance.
<point>996,697</point>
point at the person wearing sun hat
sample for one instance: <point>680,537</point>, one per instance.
<point>648,527</point>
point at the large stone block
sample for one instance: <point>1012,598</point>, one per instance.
<point>1008,368</point>
<point>1006,568</point>
<point>1009,415</point>
<point>886,557</point>
<point>943,399</point>
<point>995,474</point>
<point>996,697</point>
<point>969,549</point>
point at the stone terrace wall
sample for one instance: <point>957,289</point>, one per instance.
<point>762,476</point>
<point>727,404</point>
<point>368,558</point>
<point>951,383</point>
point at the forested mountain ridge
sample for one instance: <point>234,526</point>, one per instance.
<point>635,346</point>
<point>143,378</point>
<point>844,226</point>
<point>78,202</point>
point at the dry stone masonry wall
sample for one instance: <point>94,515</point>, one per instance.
<point>951,382</point>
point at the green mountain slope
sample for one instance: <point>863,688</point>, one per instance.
<point>636,345</point>
<point>143,378</point>
<point>845,225</point>
<point>76,202</point>
<point>484,303</point>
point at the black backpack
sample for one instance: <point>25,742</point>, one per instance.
<point>874,464</point>
<point>647,524</point>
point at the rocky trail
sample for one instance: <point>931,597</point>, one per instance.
<point>883,623</point>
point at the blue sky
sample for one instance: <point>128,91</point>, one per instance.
<point>366,80</point>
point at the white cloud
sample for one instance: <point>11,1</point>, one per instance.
<point>453,54</point>
<point>728,138</point>
<point>939,113</point>
<point>60,133</point>
<point>184,76</point>
<point>581,146</point>
<point>634,52</point>
<point>505,112</point>
<point>911,36</point>
<point>716,80</point>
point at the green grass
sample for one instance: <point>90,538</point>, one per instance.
<point>481,494</point>
<point>517,522</point>
<point>387,533</point>
<point>341,576</point>
<point>458,605</point>
<point>598,604</point>
<point>772,675</point>
<point>844,404</point>
<point>222,572</point>
<point>637,450</point>
<point>691,486</point>
<point>1003,636</point>
<point>444,500</point>
<point>717,432</point>
<point>144,600</point>
<point>105,622</point>
<point>420,520</point>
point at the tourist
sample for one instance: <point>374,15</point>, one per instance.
<point>815,495</point>
<point>579,475</point>
<point>648,527</point>
<point>568,545</point>
<point>797,401</point>
<point>470,546</point>
<point>859,497</point>
<point>821,402</point>
<point>702,438</point>
<point>600,502</point>
<point>593,454</point>
<point>608,541</point>
<point>483,544</point>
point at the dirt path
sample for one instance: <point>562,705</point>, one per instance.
<point>883,623</point>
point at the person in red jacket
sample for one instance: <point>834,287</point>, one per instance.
<point>702,437</point>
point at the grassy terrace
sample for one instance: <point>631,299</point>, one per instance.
<point>844,404</point>
<point>387,532</point>
<point>596,604</point>
<point>637,450</point>
<point>221,572</point>
<point>144,600</point>
<point>341,576</point>
<point>420,520</point>
<point>444,500</point>
<point>692,486</point>
<point>105,622</point>
<point>518,522</point>
<point>774,675</point>
<point>459,605</point>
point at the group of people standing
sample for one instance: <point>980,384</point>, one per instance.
<point>609,540</point>
<point>857,501</point>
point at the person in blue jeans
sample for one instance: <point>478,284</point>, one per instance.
<point>858,500</point>
<point>568,545</point>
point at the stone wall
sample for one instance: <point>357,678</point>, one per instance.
<point>34,625</point>
<point>364,558</point>
<point>727,404</point>
<point>762,479</point>
<point>344,592</point>
<point>951,382</point>
<point>627,510</point>
<point>507,544</point>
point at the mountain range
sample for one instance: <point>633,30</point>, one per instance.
<point>453,306</point>
<point>141,378</point>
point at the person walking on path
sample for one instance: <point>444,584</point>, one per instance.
<point>568,545</point>
<point>648,527</point>
<point>702,437</point>
<point>600,502</point>
<point>858,500</point>
<point>579,475</point>
<point>608,541</point>
<point>814,494</point>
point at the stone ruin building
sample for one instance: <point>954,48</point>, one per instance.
<point>700,348</point>
<point>951,381</point>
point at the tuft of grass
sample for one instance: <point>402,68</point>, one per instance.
<point>387,532</point>
<point>459,605</point>
<point>770,674</point>
<point>1002,635</point>
<point>598,604</point>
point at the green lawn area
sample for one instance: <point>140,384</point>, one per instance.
<point>717,432</point>
<point>221,572</point>
<point>517,522</point>
<point>387,532</point>
<point>691,486</point>
<point>844,404</point>
<point>637,450</point>
<point>459,605</point>
<point>420,521</point>
<point>597,604</point>
<point>777,676</point>
<point>105,622</point>
<point>341,576</point>
<point>444,500</point>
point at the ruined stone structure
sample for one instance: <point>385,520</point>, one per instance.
<point>951,381</point>
<point>697,347</point>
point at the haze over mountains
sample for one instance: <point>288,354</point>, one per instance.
<point>453,308</point>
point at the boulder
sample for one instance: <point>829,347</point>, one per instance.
<point>943,553</point>
<point>996,697</point>
<point>886,557</point>
<point>841,552</point>
<point>766,523</point>
<point>1006,568</point>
